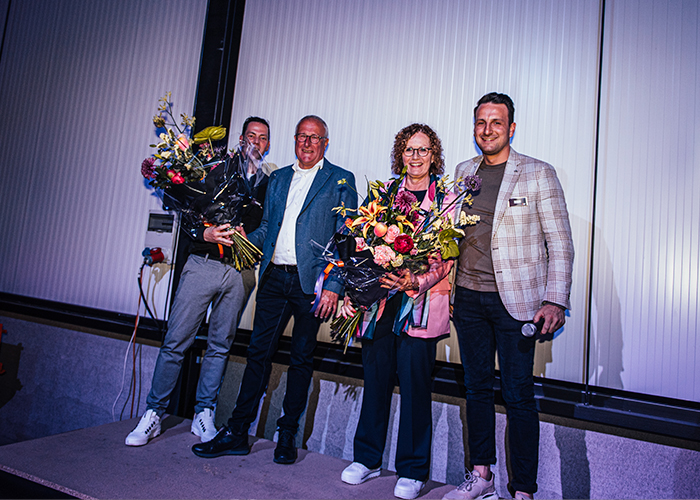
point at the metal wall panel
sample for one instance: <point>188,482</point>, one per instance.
<point>646,261</point>
<point>78,95</point>
<point>80,81</point>
<point>369,68</point>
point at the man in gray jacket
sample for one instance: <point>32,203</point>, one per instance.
<point>515,266</point>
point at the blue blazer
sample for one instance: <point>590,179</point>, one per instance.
<point>316,222</point>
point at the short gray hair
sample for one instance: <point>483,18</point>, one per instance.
<point>317,119</point>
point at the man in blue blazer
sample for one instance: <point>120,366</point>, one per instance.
<point>298,212</point>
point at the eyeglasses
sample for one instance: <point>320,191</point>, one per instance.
<point>423,152</point>
<point>301,138</point>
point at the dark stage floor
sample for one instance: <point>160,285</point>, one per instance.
<point>95,463</point>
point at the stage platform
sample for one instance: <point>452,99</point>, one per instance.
<point>94,463</point>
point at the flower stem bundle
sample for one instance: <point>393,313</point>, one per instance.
<point>245,254</point>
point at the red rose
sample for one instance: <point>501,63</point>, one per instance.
<point>403,243</point>
<point>177,178</point>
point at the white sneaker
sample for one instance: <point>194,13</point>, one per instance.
<point>203,425</point>
<point>356,473</point>
<point>474,487</point>
<point>408,488</point>
<point>148,427</point>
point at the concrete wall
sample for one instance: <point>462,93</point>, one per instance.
<point>58,379</point>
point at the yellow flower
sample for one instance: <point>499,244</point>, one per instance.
<point>473,219</point>
<point>369,217</point>
<point>187,121</point>
<point>210,134</point>
<point>342,210</point>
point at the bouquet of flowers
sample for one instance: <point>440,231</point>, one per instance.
<point>389,233</point>
<point>205,184</point>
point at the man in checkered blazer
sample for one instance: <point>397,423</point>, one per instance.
<point>514,267</point>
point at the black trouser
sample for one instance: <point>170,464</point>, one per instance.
<point>410,359</point>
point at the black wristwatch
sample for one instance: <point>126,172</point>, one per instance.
<point>546,302</point>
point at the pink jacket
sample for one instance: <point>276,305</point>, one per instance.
<point>434,289</point>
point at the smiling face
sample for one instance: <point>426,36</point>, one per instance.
<point>308,153</point>
<point>492,132</point>
<point>418,167</point>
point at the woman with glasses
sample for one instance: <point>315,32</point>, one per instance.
<point>407,357</point>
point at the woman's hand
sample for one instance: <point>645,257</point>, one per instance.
<point>435,259</point>
<point>403,281</point>
<point>346,310</point>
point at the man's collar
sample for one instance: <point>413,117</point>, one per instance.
<point>297,168</point>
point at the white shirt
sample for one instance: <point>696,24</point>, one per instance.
<point>285,248</point>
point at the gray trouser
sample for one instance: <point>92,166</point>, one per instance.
<point>203,281</point>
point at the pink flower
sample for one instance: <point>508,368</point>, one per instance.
<point>148,169</point>
<point>414,251</point>
<point>403,243</point>
<point>182,142</point>
<point>360,244</point>
<point>383,255</point>
<point>404,200</point>
<point>392,233</point>
<point>177,179</point>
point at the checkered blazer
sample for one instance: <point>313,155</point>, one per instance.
<point>531,244</point>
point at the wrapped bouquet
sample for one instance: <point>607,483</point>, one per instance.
<point>207,185</point>
<point>389,233</point>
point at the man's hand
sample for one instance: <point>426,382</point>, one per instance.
<point>327,306</point>
<point>218,234</point>
<point>239,229</point>
<point>554,318</point>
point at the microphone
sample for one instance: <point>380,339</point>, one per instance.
<point>531,329</point>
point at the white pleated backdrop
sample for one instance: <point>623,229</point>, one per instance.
<point>370,68</point>
<point>646,263</point>
<point>79,82</point>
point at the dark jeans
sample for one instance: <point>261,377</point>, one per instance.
<point>484,327</point>
<point>279,296</point>
<point>384,358</point>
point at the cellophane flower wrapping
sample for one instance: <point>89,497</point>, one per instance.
<point>389,233</point>
<point>207,185</point>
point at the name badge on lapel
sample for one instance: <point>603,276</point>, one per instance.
<point>518,202</point>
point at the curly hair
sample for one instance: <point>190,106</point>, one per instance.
<point>437,166</point>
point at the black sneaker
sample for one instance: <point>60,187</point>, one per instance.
<point>224,443</point>
<point>286,451</point>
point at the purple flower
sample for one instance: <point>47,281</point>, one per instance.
<point>147,168</point>
<point>404,200</point>
<point>472,183</point>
